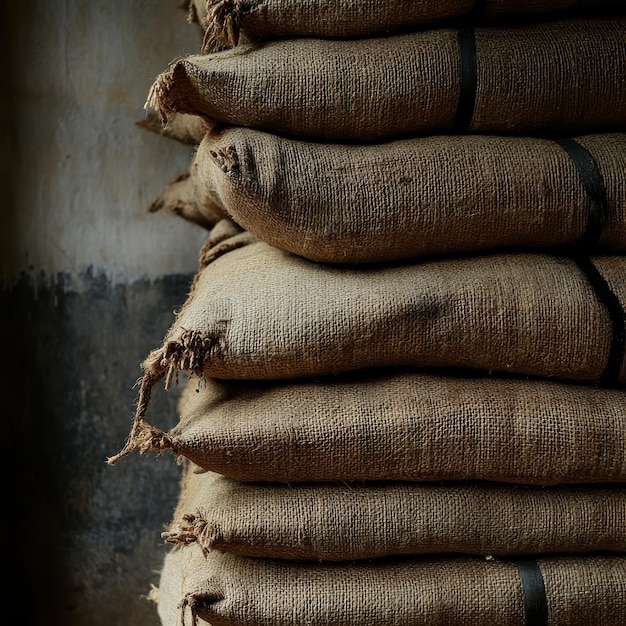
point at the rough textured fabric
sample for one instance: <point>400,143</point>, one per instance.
<point>557,77</point>
<point>261,313</point>
<point>271,19</point>
<point>228,590</point>
<point>408,198</point>
<point>343,522</point>
<point>258,313</point>
<point>399,426</point>
<point>179,198</point>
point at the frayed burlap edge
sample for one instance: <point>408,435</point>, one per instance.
<point>193,528</point>
<point>159,95</point>
<point>194,599</point>
<point>188,353</point>
<point>167,93</point>
<point>223,25</point>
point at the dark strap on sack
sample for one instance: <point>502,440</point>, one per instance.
<point>610,376</point>
<point>469,78</point>
<point>593,182</point>
<point>535,600</point>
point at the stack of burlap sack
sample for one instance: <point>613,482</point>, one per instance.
<point>405,340</point>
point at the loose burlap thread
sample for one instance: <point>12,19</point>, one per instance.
<point>411,198</point>
<point>556,77</point>
<point>229,590</point>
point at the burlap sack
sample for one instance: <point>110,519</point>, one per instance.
<point>187,129</point>
<point>271,19</point>
<point>561,77</point>
<point>410,198</point>
<point>224,589</point>
<point>343,522</point>
<point>179,198</point>
<point>261,313</point>
<point>399,426</point>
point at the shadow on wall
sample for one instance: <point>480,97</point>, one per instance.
<point>85,536</point>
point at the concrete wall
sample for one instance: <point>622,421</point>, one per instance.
<point>89,285</point>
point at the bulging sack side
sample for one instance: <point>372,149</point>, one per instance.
<point>187,129</point>
<point>261,313</point>
<point>228,20</point>
<point>345,522</point>
<point>416,197</point>
<point>557,77</point>
<point>179,198</point>
<point>398,426</point>
<point>229,590</point>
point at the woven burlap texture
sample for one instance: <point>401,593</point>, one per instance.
<point>230,20</point>
<point>399,426</point>
<point>556,77</point>
<point>229,590</point>
<point>261,313</point>
<point>360,521</point>
<point>410,198</point>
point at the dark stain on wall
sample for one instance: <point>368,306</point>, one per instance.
<point>83,537</point>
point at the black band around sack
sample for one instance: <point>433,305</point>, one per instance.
<point>535,600</point>
<point>592,180</point>
<point>469,78</point>
<point>610,376</point>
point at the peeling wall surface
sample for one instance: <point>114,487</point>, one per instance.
<point>89,285</point>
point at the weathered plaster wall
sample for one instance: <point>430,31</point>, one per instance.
<point>82,173</point>
<point>89,285</point>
